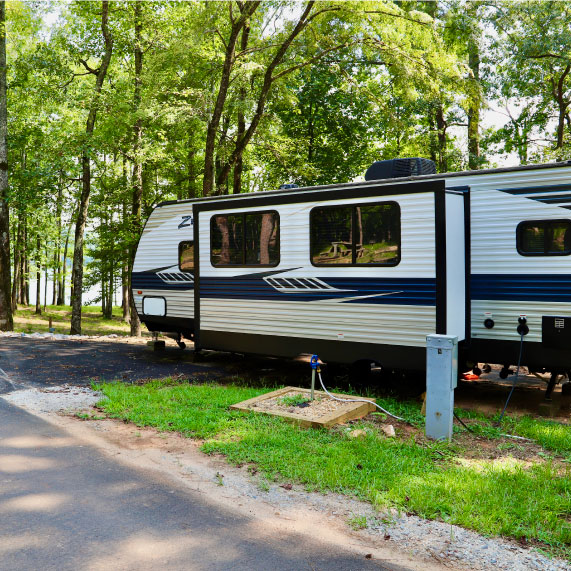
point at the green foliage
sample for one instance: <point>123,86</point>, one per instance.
<point>532,59</point>
<point>362,81</point>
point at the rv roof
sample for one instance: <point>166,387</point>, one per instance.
<point>372,182</point>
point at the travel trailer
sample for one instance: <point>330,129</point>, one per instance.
<point>365,271</point>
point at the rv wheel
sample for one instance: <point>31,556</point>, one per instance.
<point>504,373</point>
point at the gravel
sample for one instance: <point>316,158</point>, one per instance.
<point>64,398</point>
<point>450,545</point>
<point>56,335</point>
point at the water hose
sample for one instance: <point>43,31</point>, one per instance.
<point>316,368</point>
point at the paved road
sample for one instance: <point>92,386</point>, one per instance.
<point>27,361</point>
<point>64,506</point>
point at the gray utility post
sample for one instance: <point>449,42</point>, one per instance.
<point>441,380</point>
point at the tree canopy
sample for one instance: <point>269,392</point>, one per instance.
<point>114,106</point>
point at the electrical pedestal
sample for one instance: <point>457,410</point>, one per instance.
<point>441,380</point>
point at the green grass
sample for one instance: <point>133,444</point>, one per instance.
<point>553,436</point>
<point>92,322</point>
<point>505,496</point>
<point>357,522</point>
<point>293,400</point>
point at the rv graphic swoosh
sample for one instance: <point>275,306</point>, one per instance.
<point>344,299</point>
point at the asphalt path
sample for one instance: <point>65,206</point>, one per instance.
<point>64,505</point>
<point>36,362</point>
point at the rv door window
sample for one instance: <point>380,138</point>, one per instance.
<point>186,256</point>
<point>367,234</point>
<point>248,239</point>
<point>544,238</point>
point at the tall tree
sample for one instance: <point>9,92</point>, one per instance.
<point>237,23</point>
<point>475,98</point>
<point>533,52</point>
<point>100,73</point>
<point>137,159</point>
<point>6,321</point>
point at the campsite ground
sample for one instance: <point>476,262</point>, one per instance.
<point>48,373</point>
<point>77,362</point>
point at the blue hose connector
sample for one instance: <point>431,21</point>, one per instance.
<point>314,362</point>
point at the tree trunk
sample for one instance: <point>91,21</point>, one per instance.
<point>25,274</point>
<point>38,276</point>
<point>103,295</point>
<point>125,303</point>
<point>24,288</point>
<point>441,137</point>
<point>266,232</point>
<point>562,106</point>
<point>191,173</point>
<point>17,266</point>
<point>110,292</point>
<point>247,9</point>
<point>46,280</point>
<point>138,163</point>
<point>269,79</point>
<point>61,291</point>
<point>57,250</point>
<point>239,166</point>
<point>77,268</point>
<point>77,271</point>
<point>6,320</point>
<point>475,100</point>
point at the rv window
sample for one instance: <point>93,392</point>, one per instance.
<point>249,239</point>
<point>367,234</point>
<point>544,238</point>
<point>186,256</point>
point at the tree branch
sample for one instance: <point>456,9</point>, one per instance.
<point>547,55</point>
<point>313,59</point>
<point>396,15</point>
<point>72,78</point>
<point>89,69</point>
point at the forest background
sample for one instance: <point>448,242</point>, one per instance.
<point>115,106</point>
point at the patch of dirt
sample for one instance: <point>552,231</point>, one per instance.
<point>468,446</point>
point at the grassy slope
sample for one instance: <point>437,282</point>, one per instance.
<point>504,497</point>
<point>92,323</point>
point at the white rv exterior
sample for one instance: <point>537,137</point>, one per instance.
<point>460,270</point>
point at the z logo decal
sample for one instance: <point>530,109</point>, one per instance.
<point>186,222</point>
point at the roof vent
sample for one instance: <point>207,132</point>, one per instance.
<point>288,186</point>
<point>396,168</point>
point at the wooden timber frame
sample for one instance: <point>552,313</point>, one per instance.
<point>348,411</point>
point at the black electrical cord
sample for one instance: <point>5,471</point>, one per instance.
<point>514,382</point>
<point>462,423</point>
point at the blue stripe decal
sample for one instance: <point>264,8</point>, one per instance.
<point>150,280</point>
<point>554,194</point>
<point>537,189</point>
<point>522,287</point>
<point>404,291</point>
